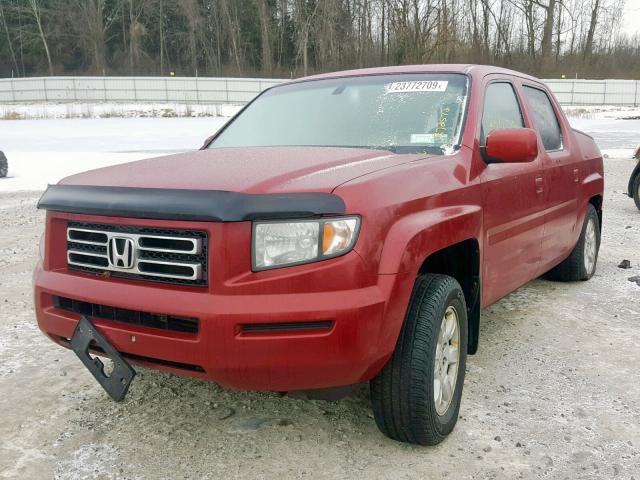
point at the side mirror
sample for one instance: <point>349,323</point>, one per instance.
<point>207,142</point>
<point>512,145</point>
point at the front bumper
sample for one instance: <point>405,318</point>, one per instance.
<point>352,350</point>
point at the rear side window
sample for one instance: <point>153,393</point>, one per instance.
<point>544,118</point>
<point>501,109</point>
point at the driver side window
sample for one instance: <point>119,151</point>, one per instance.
<point>501,109</point>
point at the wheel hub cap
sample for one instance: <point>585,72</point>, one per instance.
<point>445,373</point>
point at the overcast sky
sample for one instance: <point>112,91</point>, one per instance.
<point>631,21</point>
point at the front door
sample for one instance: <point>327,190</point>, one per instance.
<point>513,203</point>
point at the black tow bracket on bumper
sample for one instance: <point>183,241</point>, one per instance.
<point>116,384</point>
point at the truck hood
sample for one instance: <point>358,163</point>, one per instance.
<point>247,170</point>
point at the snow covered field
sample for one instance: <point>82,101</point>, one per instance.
<point>39,111</point>
<point>107,134</point>
<point>44,151</point>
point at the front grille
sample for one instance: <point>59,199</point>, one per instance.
<point>133,317</point>
<point>157,254</point>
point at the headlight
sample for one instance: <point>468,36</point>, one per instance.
<point>280,244</point>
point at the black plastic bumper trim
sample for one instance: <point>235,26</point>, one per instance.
<point>138,358</point>
<point>190,205</point>
<point>287,326</point>
<point>170,323</point>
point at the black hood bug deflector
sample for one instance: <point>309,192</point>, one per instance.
<point>190,205</point>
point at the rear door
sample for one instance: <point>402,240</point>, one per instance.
<point>562,177</point>
<point>513,200</point>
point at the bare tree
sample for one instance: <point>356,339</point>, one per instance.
<point>9,42</point>
<point>34,9</point>
<point>547,31</point>
<point>265,36</point>
<point>297,37</point>
<point>189,9</point>
<point>230,13</point>
<point>304,19</point>
<point>93,29</point>
<point>588,46</point>
<point>137,30</point>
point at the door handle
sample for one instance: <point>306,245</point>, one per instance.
<point>539,185</point>
<point>576,175</point>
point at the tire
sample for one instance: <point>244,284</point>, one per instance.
<point>4,166</point>
<point>402,394</point>
<point>579,265</point>
<point>636,190</point>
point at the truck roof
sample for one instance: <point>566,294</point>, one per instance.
<point>470,69</point>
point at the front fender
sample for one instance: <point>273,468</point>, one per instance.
<point>410,241</point>
<point>414,237</point>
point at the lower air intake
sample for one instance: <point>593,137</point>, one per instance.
<point>132,317</point>
<point>287,327</point>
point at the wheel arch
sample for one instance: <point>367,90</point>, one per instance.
<point>462,262</point>
<point>596,201</point>
<point>416,243</point>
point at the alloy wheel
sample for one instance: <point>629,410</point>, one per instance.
<point>445,373</point>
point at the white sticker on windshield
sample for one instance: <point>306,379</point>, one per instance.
<point>430,138</point>
<point>405,87</point>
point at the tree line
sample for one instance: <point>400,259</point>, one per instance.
<point>289,38</point>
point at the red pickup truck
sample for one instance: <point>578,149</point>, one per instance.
<point>342,228</point>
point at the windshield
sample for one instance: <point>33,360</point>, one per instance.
<point>403,113</point>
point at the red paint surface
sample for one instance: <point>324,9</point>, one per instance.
<point>526,217</point>
<point>513,145</point>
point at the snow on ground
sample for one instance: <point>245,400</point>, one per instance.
<point>610,133</point>
<point>602,112</point>
<point>44,151</point>
<point>107,134</point>
<point>616,129</point>
<point>35,170</point>
<point>38,111</point>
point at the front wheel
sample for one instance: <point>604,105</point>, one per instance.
<point>416,397</point>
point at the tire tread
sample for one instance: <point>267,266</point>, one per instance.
<point>398,392</point>
<point>572,268</point>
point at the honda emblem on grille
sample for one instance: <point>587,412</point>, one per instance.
<point>121,252</point>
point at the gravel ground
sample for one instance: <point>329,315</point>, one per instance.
<point>552,393</point>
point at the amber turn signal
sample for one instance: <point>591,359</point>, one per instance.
<point>338,235</point>
<point>327,236</point>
